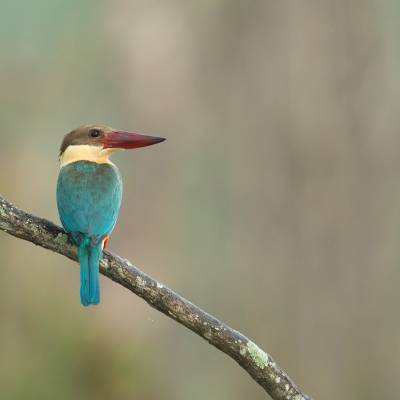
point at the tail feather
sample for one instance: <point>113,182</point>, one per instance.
<point>83,253</point>
<point>89,259</point>
<point>94,274</point>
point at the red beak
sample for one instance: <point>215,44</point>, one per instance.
<point>126,140</point>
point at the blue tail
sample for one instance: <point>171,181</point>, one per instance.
<point>89,258</point>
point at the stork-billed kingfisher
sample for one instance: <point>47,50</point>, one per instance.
<point>89,193</point>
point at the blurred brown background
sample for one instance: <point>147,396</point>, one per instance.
<point>274,204</point>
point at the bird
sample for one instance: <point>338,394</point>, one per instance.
<point>89,194</point>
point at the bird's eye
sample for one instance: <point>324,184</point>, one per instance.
<point>94,133</point>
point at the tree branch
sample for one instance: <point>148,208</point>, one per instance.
<point>260,365</point>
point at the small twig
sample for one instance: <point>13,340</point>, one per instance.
<point>260,365</point>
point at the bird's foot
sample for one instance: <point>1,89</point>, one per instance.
<point>105,242</point>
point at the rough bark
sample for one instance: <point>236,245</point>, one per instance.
<point>259,364</point>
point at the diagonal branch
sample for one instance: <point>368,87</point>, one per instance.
<point>260,365</point>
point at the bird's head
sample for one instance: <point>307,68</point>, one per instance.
<point>97,142</point>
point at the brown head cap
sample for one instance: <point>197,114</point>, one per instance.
<point>85,134</point>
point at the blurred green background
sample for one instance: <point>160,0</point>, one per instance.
<point>274,204</point>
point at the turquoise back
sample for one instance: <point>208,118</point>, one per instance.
<point>89,198</point>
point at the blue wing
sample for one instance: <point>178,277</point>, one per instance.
<point>89,198</point>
